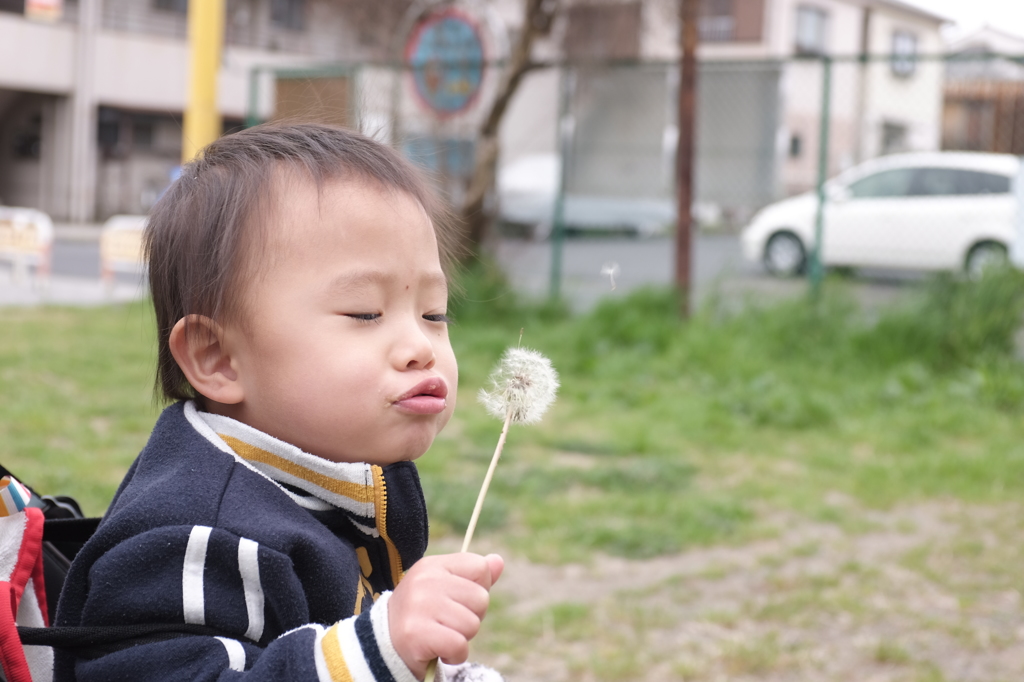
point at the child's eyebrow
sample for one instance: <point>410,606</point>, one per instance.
<point>362,279</point>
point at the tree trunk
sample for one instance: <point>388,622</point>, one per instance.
<point>538,17</point>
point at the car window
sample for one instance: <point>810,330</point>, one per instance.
<point>935,182</point>
<point>889,183</point>
<point>956,181</point>
<point>974,182</point>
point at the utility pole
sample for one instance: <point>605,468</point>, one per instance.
<point>688,11</point>
<point>205,43</point>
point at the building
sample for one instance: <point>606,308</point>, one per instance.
<point>759,94</point>
<point>884,98</point>
<point>984,96</point>
<point>91,99</point>
<point>92,94</point>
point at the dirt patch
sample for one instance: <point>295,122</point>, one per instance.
<point>927,592</point>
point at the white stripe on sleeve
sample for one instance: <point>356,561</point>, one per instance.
<point>323,674</point>
<point>192,600</point>
<point>382,632</point>
<point>352,650</point>
<point>236,654</point>
<point>249,567</point>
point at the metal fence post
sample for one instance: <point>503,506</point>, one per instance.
<point>1017,247</point>
<point>816,270</point>
<point>252,115</point>
<point>565,131</point>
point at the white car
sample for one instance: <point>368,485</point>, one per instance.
<point>923,211</point>
<point>526,196</point>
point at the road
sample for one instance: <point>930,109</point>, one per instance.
<point>718,267</point>
<point>76,259</point>
<point>636,262</point>
<point>75,278</point>
<point>593,268</point>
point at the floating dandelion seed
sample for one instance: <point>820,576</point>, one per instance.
<point>609,270</point>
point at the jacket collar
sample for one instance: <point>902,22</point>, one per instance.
<point>381,502</point>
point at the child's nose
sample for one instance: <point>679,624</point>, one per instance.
<point>414,349</point>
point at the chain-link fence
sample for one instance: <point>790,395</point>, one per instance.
<point>394,104</point>
<point>592,145</point>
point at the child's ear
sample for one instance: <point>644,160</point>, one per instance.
<point>198,346</point>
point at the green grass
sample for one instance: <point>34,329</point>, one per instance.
<point>76,401</point>
<point>665,435</point>
<point>668,434</point>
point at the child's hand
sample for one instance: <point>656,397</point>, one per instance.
<point>438,607</point>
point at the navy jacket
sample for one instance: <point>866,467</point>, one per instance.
<point>247,545</point>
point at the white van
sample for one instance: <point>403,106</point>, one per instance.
<point>527,188</point>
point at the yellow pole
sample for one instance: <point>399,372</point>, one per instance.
<point>206,40</point>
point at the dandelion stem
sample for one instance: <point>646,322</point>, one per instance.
<point>487,483</point>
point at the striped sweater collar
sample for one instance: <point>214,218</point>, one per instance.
<point>313,482</point>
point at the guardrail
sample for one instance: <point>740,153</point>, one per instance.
<point>26,241</point>
<point>121,247</point>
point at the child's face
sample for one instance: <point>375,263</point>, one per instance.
<point>345,352</point>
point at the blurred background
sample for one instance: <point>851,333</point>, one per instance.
<point>93,95</point>
<point>811,474</point>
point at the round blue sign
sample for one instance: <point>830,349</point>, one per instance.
<point>447,59</point>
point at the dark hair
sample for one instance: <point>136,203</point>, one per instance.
<point>205,232</point>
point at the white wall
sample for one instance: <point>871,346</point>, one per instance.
<point>802,91</point>
<point>914,101</point>
<point>151,73</point>
<point>36,57</point>
<point>133,71</point>
<point>531,122</point>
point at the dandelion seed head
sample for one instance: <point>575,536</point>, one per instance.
<point>523,384</point>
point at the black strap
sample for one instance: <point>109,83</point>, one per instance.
<point>63,535</point>
<point>69,530</point>
<point>91,642</point>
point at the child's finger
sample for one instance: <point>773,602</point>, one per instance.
<point>471,567</point>
<point>497,566</point>
<point>465,621</point>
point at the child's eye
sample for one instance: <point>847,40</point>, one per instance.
<point>364,317</point>
<point>441,317</point>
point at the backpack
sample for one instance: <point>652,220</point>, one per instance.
<point>39,537</point>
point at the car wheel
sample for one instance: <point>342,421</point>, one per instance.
<point>784,255</point>
<point>983,256</point>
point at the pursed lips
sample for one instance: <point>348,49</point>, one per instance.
<point>427,397</point>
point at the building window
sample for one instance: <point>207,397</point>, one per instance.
<point>796,146</point>
<point>894,137</point>
<point>108,132</point>
<point>288,13</point>
<point>180,6</point>
<point>603,31</point>
<point>811,30</point>
<point>717,23</point>
<point>904,53</point>
<point>27,138</point>
<point>142,133</point>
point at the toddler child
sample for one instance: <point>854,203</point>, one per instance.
<point>275,518</point>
